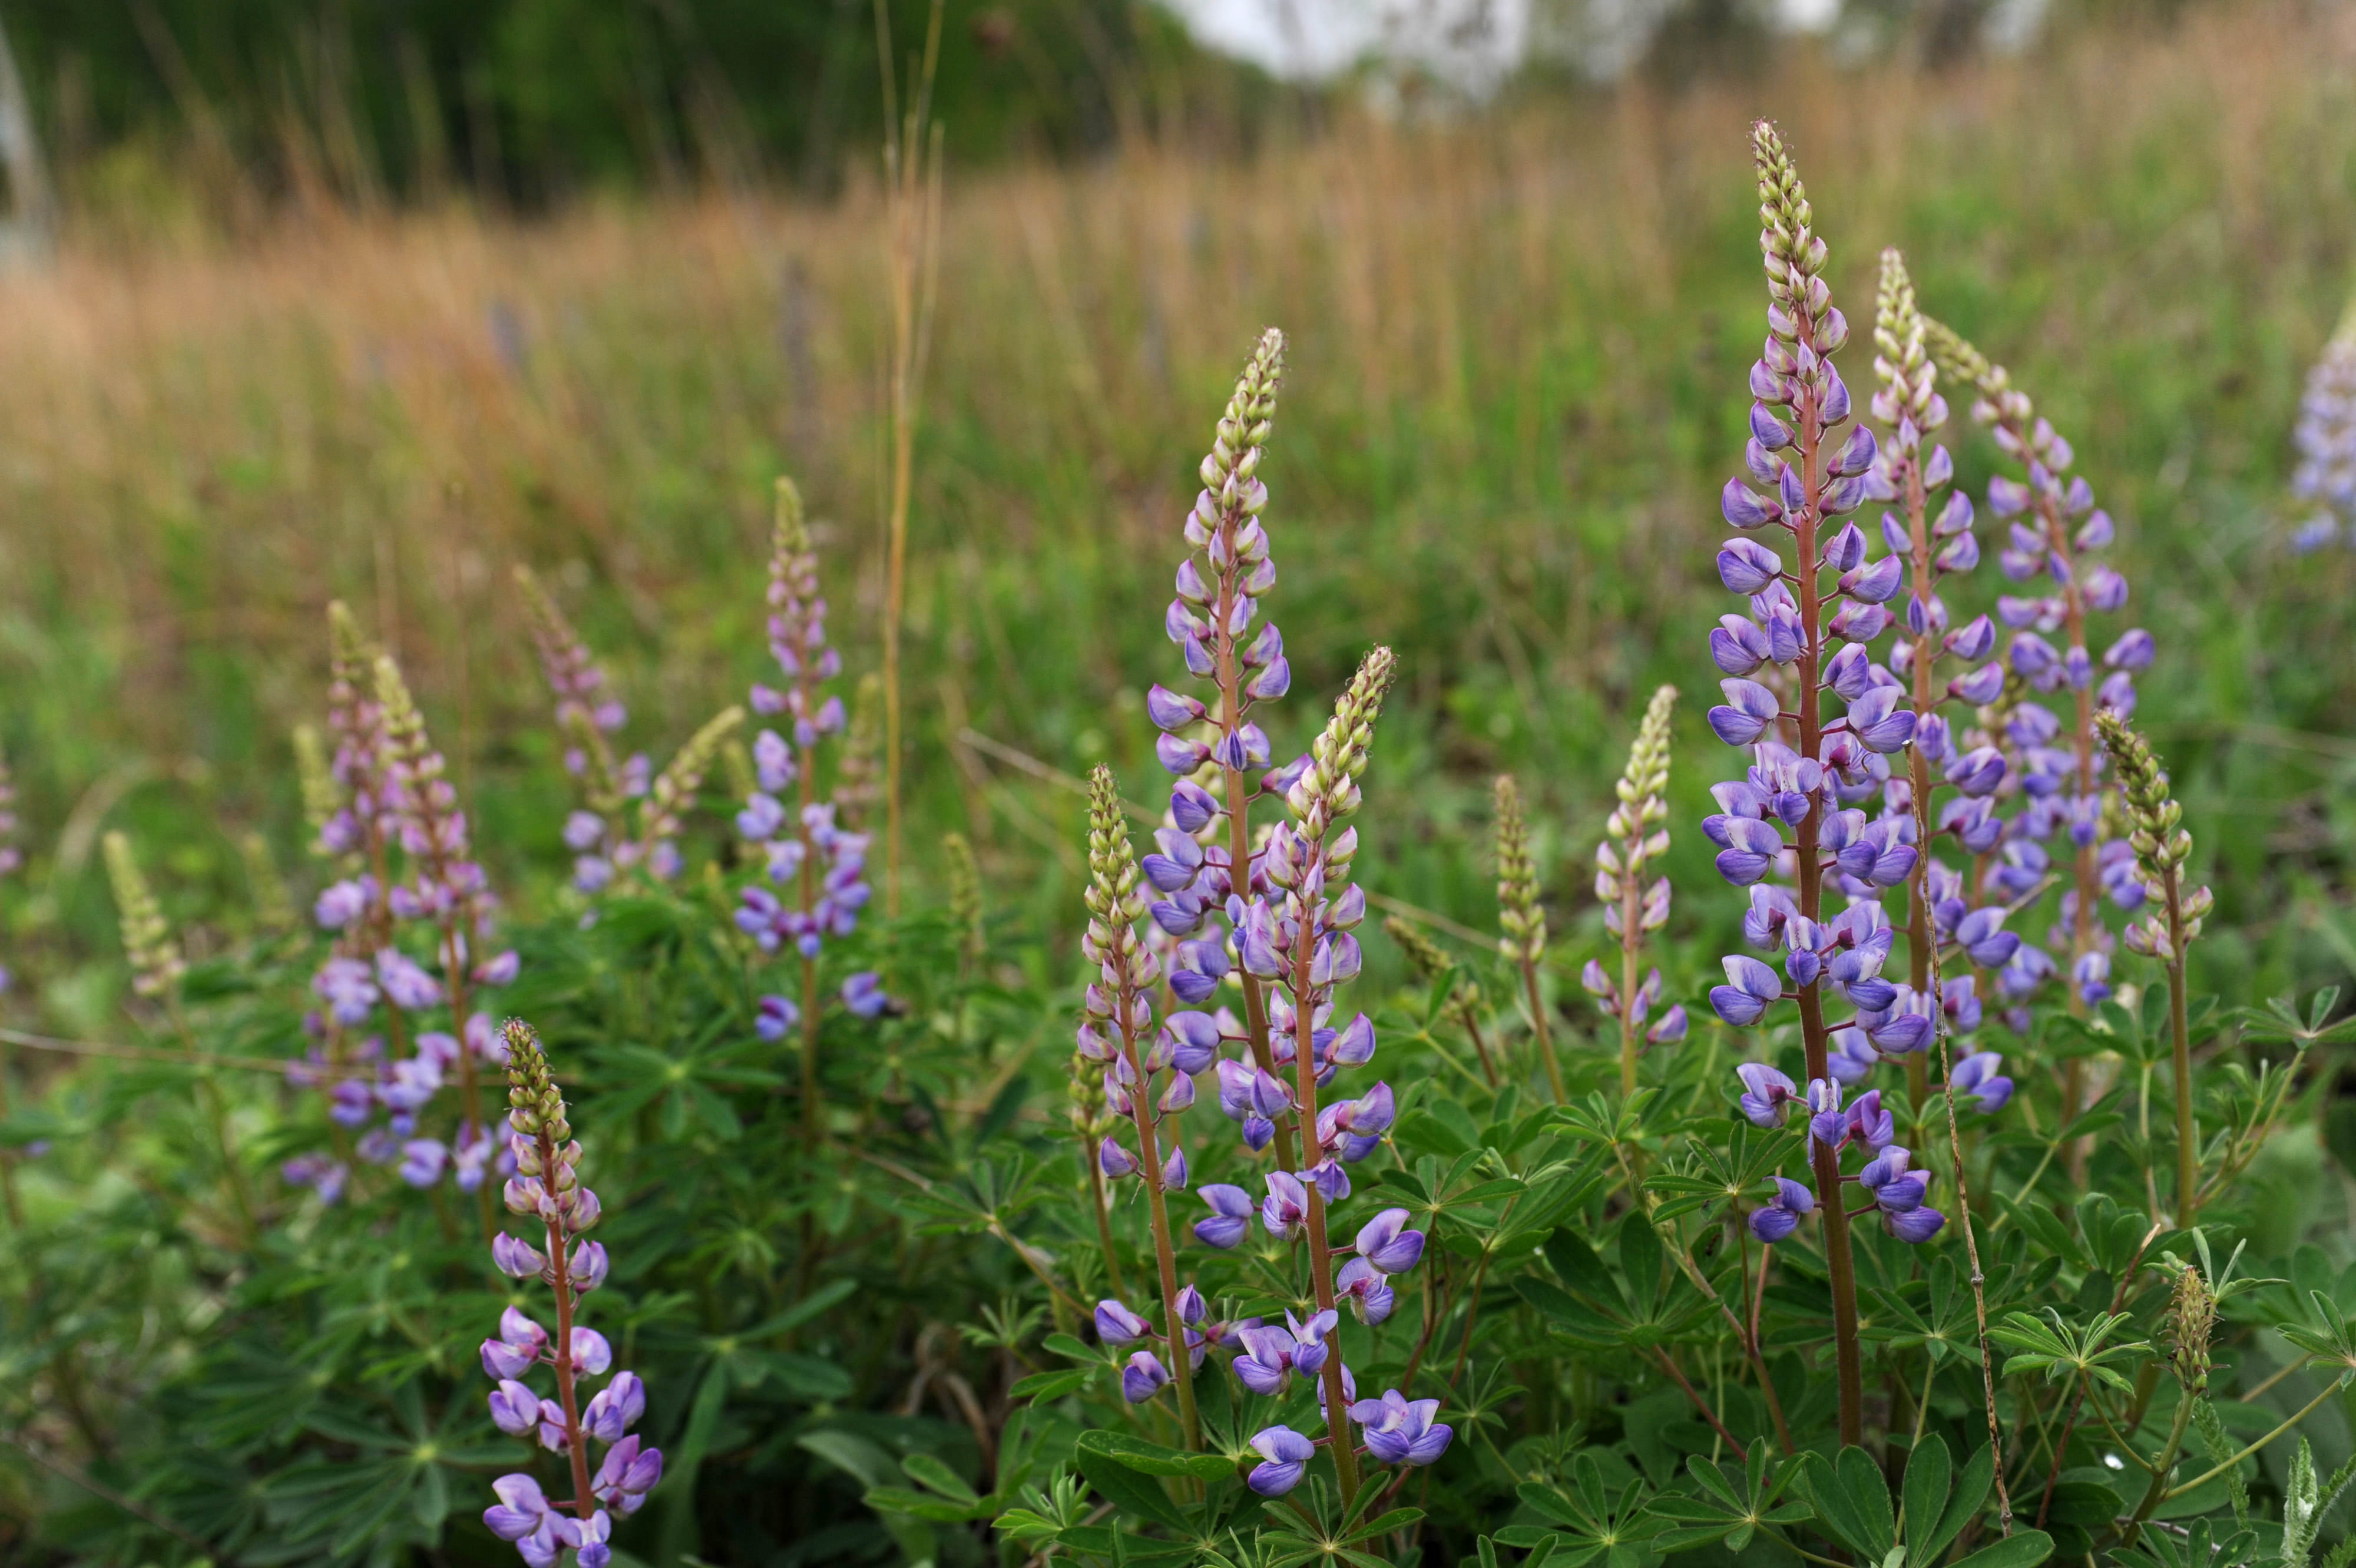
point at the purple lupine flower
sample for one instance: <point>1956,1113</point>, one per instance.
<point>775,1017</point>
<point>546,1186</point>
<point>516,1258</point>
<point>1868,1122</point>
<point>1113,1160</point>
<point>1231,1212</point>
<point>1285,1210</point>
<point>1767,1093</point>
<point>517,1348</point>
<point>1284,1459</point>
<point>1400,1431</point>
<point>1781,1217</point>
<point>2325,476</point>
<point>1752,986</point>
<point>864,996</point>
<point>1387,1245</point>
<point>422,1160</point>
<point>524,1517</point>
<point>1266,1362</point>
<point>628,1474</point>
<point>1827,1122</point>
<point>1367,1289</point>
<point>1143,1376</point>
<point>1850,1056</point>
<point>1977,1076</point>
<point>821,866</point>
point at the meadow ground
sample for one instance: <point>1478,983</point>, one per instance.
<point>1517,382</point>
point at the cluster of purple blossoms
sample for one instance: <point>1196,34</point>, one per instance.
<point>1894,1189</point>
<point>2055,767</point>
<point>1298,938</point>
<point>1208,835</point>
<point>822,866</point>
<point>1280,923</point>
<point>390,821</point>
<point>1800,813</point>
<point>547,1188</point>
<point>588,715</point>
<point>2326,436</point>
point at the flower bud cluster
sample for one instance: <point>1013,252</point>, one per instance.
<point>323,797</point>
<point>963,874</point>
<point>2158,839</point>
<point>1518,914</point>
<point>1636,831</point>
<point>823,866</point>
<point>155,962</point>
<point>547,1186</point>
<point>673,791</point>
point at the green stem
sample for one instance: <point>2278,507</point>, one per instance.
<point>2221,1466</point>
<point>1104,1219</point>
<point>1149,1145</point>
<point>1539,1028</point>
<point>2158,1492</point>
<point>2187,1140</point>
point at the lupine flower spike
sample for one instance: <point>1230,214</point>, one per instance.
<point>1119,1015</point>
<point>1299,936</point>
<point>388,821</point>
<point>2059,787</point>
<point>588,715</point>
<point>1911,471</point>
<point>1428,962</point>
<point>1521,921</point>
<point>2162,846</point>
<point>546,1191</point>
<point>1936,544</point>
<point>1807,767</point>
<point>1205,866</point>
<point>155,962</point>
<point>823,867</point>
<point>963,874</point>
<point>449,889</point>
<point>1636,834</point>
<point>2325,479</point>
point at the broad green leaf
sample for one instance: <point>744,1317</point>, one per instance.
<point>1052,1385</point>
<point>1135,1495</point>
<point>2021,1549</point>
<point>1152,1459</point>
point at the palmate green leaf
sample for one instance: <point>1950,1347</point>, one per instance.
<point>1728,1504</point>
<point>2062,1350</point>
<point>1595,1523</point>
<point>1729,1165</point>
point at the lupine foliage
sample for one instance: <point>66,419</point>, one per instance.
<point>1815,1261</point>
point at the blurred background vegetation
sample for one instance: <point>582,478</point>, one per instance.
<point>374,299</point>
